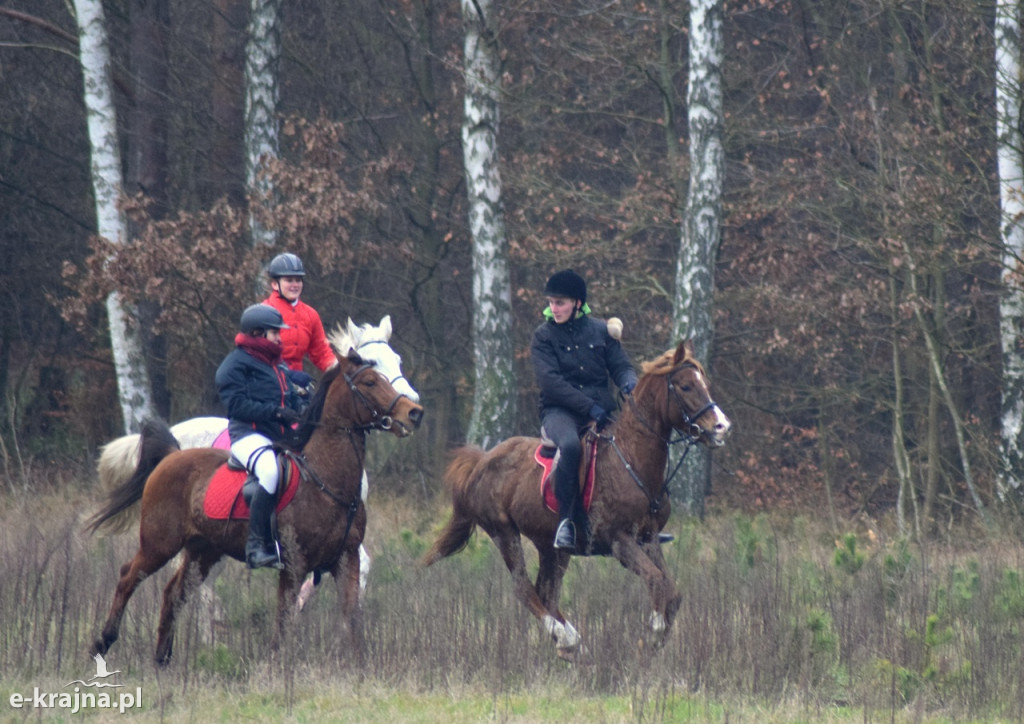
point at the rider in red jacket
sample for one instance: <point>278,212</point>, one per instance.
<point>305,333</point>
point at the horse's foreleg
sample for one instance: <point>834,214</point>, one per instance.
<point>309,586</point>
<point>287,598</point>
<point>197,563</point>
<point>664,596</point>
<point>565,635</point>
<point>348,579</point>
<point>653,551</point>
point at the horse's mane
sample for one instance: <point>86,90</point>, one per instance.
<point>345,339</point>
<point>353,336</point>
<point>665,363</point>
<point>298,438</point>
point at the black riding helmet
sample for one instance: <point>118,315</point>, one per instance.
<point>261,316</point>
<point>568,284</point>
<point>285,265</point>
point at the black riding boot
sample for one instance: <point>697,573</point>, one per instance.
<point>566,491</point>
<point>260,549</point>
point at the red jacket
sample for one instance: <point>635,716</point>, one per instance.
<point>304,336</point>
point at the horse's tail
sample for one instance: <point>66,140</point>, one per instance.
<point>155,442</point>
<point>460,527</point>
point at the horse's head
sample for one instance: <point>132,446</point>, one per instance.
<point>688,402</point>
<point>372,344</point>
<point>363,397</point>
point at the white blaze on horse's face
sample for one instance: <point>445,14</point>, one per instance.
<point>371,343</point>
<point>720,426</point>
<point>388,364</point>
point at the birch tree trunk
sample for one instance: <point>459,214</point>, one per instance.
<point>1011,196</point>
<point>262,63</point>
<point>494,400</point>
<point>125,341</point>
<point>702,222</point>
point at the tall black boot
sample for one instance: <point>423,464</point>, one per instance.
<point>260,548</point>
<point>566,492</point>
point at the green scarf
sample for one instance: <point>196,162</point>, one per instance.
<point>585,309</point>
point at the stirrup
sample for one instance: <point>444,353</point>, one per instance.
<point>261,558</point>
<point>664,538</point>
<point>565,536</point>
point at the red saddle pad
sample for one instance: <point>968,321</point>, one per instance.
<point>547,488</point>
<point>224,499</point>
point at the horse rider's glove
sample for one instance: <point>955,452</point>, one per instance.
<point>627,388</point>
<point>302,382</point>
<point>600,416</point>
<point>286,416</point>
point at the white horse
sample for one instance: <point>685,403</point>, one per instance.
<point>119,458</point>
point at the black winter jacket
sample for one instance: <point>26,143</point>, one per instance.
<point>252,391</point>
<point>572,363</point>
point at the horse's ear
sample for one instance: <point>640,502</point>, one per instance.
<point>385,326</point>
<point>353,356</point>
<point>683,352</point>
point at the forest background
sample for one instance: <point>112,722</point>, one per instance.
<point>861,221</point>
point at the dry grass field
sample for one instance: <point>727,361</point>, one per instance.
<point>781,621</point>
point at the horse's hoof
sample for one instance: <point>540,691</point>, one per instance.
<point>566,654</point>
<point>658,623</point>
<point>102,645</point>
<point>163,657</point>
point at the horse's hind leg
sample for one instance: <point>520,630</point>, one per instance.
<point>511,547</point>
<point>143,564</point>
<point>194,568</point>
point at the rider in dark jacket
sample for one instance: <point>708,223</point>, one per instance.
<point>573,356</point>
<point>261,403</point>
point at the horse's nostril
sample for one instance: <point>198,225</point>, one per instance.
<point>416,416</point>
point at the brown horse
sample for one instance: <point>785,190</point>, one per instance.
<point>498,490</point>
<point>321,529</point>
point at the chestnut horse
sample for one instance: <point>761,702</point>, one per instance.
<point>498,490</point>
<point>321,529</point>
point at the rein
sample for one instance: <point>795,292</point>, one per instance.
<point>307,473</point>
<point>691,438</point>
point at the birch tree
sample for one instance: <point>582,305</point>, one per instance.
<point>262,63</point>
<point>133,387</point>
<point>494,401</point>
<point>702,222</point>
<point>1011,197</point>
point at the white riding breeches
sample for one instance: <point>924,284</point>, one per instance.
<point>255,453</point>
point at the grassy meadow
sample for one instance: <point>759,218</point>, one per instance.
<point>781,621</point>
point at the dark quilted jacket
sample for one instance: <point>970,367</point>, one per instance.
<point>573,362</point>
